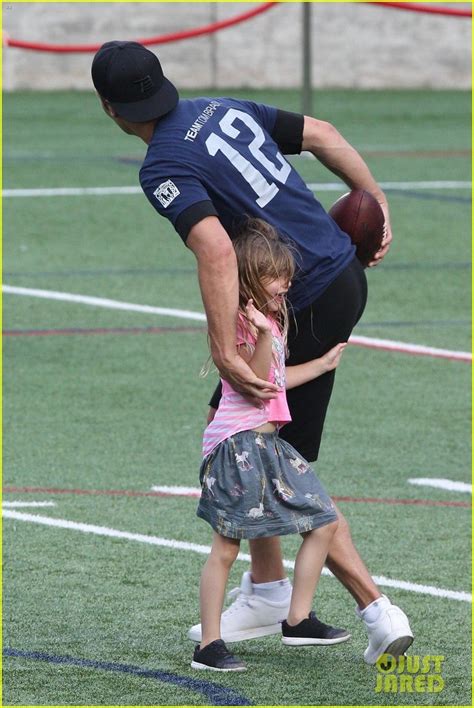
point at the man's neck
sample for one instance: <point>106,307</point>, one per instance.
<point>145,131</point>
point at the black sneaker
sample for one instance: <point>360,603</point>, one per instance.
<point>216,657</point>
<point>312,631</point>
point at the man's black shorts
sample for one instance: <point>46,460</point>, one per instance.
<point>327,321</point>
<point>313,331</point>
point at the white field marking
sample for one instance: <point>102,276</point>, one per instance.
<point>71,191</point>
<point>22,504</point>
<point>313,186</point>
<point>406,348</point>
<point>369,342</point>
<point>441,484</point>
<point>403,186</point>
<point>178,491</point>
<point>103,302</point>
<point>205,550</point>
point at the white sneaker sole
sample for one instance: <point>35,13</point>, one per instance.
<point>396,647</point>
<point>243,634</point>
<point>205,667</point>
<point>306,641</point>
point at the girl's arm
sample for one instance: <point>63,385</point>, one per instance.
<point>302,373</point>
<point>261,358</point>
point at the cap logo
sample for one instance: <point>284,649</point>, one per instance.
<point>146,84</point>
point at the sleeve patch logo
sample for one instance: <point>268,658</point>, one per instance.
<point>166,192</point>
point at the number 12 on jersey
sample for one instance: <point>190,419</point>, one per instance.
<point>264,190</point>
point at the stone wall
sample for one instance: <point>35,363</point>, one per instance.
<point>353,44</point>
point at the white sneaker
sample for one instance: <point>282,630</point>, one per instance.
<point>249,616</point>
<point>389,634</point>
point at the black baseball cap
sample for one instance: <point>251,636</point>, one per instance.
<point>130,77</point>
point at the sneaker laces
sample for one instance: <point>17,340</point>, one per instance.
<point>221,650</point>
<point>234,593</point>
<point>317,622</point>
<point>241,600</point>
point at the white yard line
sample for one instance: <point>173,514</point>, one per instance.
<point>439,483</point>
<point>71,191</point>
<point>384,344</point>
<point>313,186</point>
<point>22,504</point>
<point>178,491</point>
<point>407,348</point>
<point>205,550</point>
<point>403,186</point>
<point>103,302</point>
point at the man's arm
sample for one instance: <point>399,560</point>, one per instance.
<point>218,280</point>
<point>335,153</point>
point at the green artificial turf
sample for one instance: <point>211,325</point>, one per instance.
<point>111,401</point>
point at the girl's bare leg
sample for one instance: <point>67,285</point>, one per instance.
<point>213,583</point>
<point>308,566</point>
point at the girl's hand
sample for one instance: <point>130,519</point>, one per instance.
<point>302,373</point>
<point>257,318</point>
<point>332,358</point>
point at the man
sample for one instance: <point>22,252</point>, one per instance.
<point>209,163</point>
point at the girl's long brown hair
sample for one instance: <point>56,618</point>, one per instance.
<point>262,256</point>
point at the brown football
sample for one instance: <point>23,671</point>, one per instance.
<point>359,214</point>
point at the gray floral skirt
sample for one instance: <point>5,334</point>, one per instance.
<point>256,485</point>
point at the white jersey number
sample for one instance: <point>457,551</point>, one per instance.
<point>265,190</point>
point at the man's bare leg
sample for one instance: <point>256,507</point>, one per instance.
<point>344,561</point>
<point>386,624</point>
<point>267,563</point>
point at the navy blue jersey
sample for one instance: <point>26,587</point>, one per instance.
<point>218,157</point>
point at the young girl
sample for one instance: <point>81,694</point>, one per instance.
<point>254,484</point>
